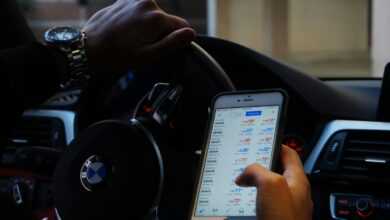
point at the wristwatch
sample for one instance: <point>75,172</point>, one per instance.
<point>71,43</point>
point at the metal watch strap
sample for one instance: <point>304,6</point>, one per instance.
<point>77,63</point>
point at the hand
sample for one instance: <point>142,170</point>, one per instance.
<point>280,197</point>
<point>132,33</point>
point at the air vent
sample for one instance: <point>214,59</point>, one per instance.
<point>365,154</point>
<point>38,132</point>
<point>64,99</point>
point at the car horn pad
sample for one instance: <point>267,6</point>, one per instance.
<point>110,167</point>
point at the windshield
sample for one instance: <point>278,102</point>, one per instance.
<point>323,38</point>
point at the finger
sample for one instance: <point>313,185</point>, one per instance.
<point>177,22</point>
<point>99,15</point>
<point>166,23</point>
<point>255,175</point>
<point>175,40</point>
<point>292,165</point>
<point>290,159</point>
<point>142,5</point>
<point>296,179</point>
<point>112,9</point>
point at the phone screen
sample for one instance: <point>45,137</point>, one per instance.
<point>239,137</point>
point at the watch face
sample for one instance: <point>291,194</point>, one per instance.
<point>62,35</point>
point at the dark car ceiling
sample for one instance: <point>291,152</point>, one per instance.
<point>251,70</point>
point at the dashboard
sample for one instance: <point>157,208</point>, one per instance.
<point>319,139</point>
<point>345,151</point>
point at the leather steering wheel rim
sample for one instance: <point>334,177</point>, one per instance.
<point>215,71</point>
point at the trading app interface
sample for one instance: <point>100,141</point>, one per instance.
<point>240,137</point>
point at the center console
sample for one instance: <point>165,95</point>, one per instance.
<point>349,170</point>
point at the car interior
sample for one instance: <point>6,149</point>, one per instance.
<point>335,130</point>
<point>339,127</point>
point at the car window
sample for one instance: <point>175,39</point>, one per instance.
<point>324,38</point>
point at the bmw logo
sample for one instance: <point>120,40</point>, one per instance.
<point>93,173</point>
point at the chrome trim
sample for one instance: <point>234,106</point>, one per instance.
<point>339,125</point>
<point>17,195</point>
<point>376,161</point>
<point>19,141</point>
<point>67,117</point>
<point>57,214</point>
<point>332,202</point>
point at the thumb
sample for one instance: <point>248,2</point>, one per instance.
<point>176,40</point>
<point>254,175</point>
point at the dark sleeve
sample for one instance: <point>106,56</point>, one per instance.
<point>14,27</point>
<point>29,75</point>
<point>29,72</point>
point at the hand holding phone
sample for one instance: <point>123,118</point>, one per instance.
<point>286,196</point>
<point>244,129</point>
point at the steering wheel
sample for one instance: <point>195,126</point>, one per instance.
<point>112,169</point>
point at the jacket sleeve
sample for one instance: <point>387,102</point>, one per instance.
<point>29,71</point>
<point>29,75</point>
<point>15,30</point>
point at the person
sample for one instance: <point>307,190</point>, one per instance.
<point>128,34</point>
<point>286,196</point>
<point>32,72</point>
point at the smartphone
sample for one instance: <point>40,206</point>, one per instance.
<point>245,128</point>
